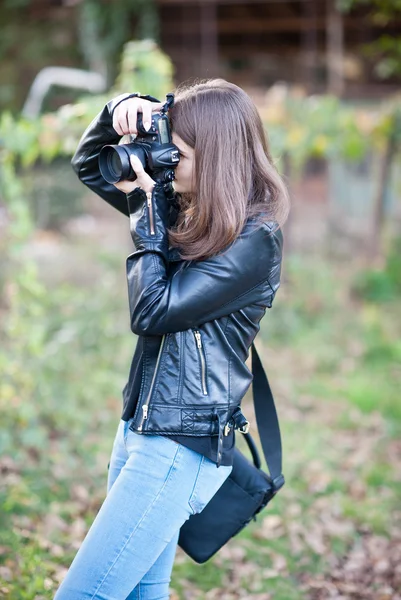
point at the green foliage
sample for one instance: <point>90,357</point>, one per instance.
<point>87,33</point>
<point>105,27</point>
<point>383,10</point>
<point>53,193</point>
<point>27,146</point>
<point>385,50</point>
<point>382,285</point>
<point>326,127</point>
<point>389,49</point>
<point>145,68</point>
<point>351,347</point>
<point>64,356</point>
<point>317,126</point>
<point>28,41</point>
<point>55,359</point>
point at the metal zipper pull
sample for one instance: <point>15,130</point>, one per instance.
<point>198,339</point>
<point>145,411</point>
<point>227,429</point>
<point>150,209</point>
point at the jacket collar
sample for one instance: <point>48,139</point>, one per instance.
<point>174,255</point>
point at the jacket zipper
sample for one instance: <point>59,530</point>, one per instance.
<point>146,404</point>
<point>202,358</point>
<point>150,209</point>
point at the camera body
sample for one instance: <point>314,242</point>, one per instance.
<point>154,148</point>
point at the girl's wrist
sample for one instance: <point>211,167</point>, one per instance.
<point>148,188</point>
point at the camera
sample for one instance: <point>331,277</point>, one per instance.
<point>154,148</point>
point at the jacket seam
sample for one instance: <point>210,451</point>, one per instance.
<point>143,375</point>
<point>202,408</point>
<point>226,325</point>
<point>229,379</point>
<point>247,291</point>
<point>152,431</point>
<point>229,362</point>
<point>270,286</point>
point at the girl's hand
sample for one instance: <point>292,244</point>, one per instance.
<point>124,122</point>
<point>143,180</point>
<point>125,114</point>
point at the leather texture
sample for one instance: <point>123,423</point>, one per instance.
<point>197,319</point>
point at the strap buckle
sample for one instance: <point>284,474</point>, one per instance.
<point>278,483</point>
<point>244,428</point>
<point>238,421</point>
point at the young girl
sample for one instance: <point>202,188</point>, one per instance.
<point>206,265</point>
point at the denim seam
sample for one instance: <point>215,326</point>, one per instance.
<point>193,494</point>
<point>125,434</point>
<point>171,470</point>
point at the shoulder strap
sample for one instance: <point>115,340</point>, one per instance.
<point>267,421</point>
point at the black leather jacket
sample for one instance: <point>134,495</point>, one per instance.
<point>197,318</point>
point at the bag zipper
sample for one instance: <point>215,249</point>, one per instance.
<point>202,359</point>
<point>146,404</point>
<point>150,210</point>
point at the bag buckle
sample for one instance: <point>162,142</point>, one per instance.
<point>278,483</point>
<point>244,428</point>
<point>238,421</point>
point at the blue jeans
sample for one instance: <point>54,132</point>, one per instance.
<point>154,485</point>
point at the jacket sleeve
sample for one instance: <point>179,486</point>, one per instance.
<point>247,271</point>
<point>85,160</point>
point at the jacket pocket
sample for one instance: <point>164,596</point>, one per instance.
<point>202,359</point>
<point>170,372</point>
<point>195,384</point>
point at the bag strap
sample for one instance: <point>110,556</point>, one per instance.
<point>267,421</point>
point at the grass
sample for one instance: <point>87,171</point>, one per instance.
<point>333,363</point>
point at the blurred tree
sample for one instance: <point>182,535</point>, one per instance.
<point>104,27</point>
<point>70,33</point>
<point>385,51</point>
<point>146,68</point>
<point>31,35</point>
<point>387,158</point>
<point>28,146</point>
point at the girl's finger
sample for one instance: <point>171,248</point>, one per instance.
<point>137,166</point>
<point>123,120</point>
<point>116,124</point>
<point>147,115</point>
<point>120,126</point>
<point>143,180</point>
<point>132,117</point>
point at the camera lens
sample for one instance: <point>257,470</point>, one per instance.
<point>114,161</point>
<point>114,165</point>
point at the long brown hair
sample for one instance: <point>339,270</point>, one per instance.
<point>234,175</point>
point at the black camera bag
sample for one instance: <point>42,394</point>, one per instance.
<point>248,489</point>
